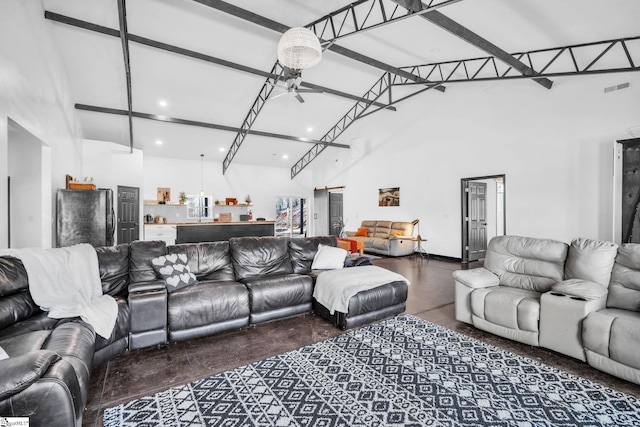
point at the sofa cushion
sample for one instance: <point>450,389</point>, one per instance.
<point>579,288</point>
<point>362,231</point>
<point>512,308</point>
<point>113,262</point>
<point>276,292</point>
<point>615,334</point>
<point>174,270</point>
<point>13,276</point>
<point>526,262</point>
<point>329,258</point>
<point>259,256</point>
<point>302,251</point>
<point>383,229</point>
<point>18,373</point>
<point>207,303</point>
<point>401,228</point>
<point>140,255</point>
<point>207,260</point>
<point>590,260</point>
<point>624,287</point>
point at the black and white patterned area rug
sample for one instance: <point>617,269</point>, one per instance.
<point>401,372</point>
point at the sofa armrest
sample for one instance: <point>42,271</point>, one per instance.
<point>401,246</point>
<point>578,288</point>
<point>476,278</point>
<point>148,303</point>
<point>350,233</point>
<point>147,286</point>
<point>18,373</point>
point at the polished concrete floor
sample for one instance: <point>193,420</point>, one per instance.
<point>431,297</point>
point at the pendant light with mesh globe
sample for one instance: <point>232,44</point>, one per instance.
<point>299,48</point>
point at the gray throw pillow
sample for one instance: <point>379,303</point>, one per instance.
<point>174,270</point>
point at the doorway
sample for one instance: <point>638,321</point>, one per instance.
<point>128,214</point>
<point>626,194</point>
<point>483,214</point>
<point>29,200</point>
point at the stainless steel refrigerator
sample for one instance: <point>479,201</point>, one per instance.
<point>85,216</point>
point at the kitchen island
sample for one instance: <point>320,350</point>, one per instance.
<point>194,232</point>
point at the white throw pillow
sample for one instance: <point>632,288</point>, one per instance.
<point>328,258</point>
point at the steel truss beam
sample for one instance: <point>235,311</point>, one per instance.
<point>489,68</point>
<point>268,86</point>
<point>187,122</point>
<point>359,110</point>
<point>586,58</point>
<point>252,115</point>
<point>365,15</point>
<point>254,18</point>
<point>184,52</point>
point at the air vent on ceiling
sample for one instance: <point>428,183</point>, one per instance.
<point>616,87</point>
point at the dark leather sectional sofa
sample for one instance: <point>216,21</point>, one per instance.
<point>242,281</point>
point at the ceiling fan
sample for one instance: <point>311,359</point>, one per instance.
<point>291,84</point>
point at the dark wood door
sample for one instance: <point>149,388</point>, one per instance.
<point>335,213</point>
<point>128,214</point>
<point>477,220</point>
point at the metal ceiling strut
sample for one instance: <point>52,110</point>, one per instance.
<point>281,28</point>
<point>184,52</point>
<point>585,58</point>
<point>268,86</point>
<point>165,119</point>
<point>356,112</point>
<point>469,36</point>
<point>122,16</point>
<point>365,15</point>
<point>252,115</point>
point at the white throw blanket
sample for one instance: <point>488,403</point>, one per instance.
<point>335,288</point>
<point>65,282</point>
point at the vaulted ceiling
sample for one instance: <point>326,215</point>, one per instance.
<point>198,75</point>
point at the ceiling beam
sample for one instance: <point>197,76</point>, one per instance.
<point>365,15</point>
<point>469,36</point>
<point>174,120</point>
<point>358,111</point>
<point>189,53</point>
<point>122,17</point>
<point>281,28</point>
<point>614,55</point>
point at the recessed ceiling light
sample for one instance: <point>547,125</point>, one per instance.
<point>285,156</point>
<point>162,103</point>
<point>159,142</point>
<point>309,129</point>
<point>221,149</point>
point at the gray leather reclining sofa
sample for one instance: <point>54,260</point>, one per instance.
<point>242,281</point>
<point>581,300</point>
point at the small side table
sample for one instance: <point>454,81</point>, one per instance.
<point>419,248</point>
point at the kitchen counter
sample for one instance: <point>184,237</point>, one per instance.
<point>194,232</point>
<point>210,223</point>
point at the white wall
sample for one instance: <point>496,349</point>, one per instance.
<point>263,184</point>
<point>554,146</point>
<point>111,165</point>
<point>34,93</point>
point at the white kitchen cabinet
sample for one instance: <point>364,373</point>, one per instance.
<point>165,232</point>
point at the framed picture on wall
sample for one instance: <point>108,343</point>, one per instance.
<point>164,195</point>
<point>389,196</point>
